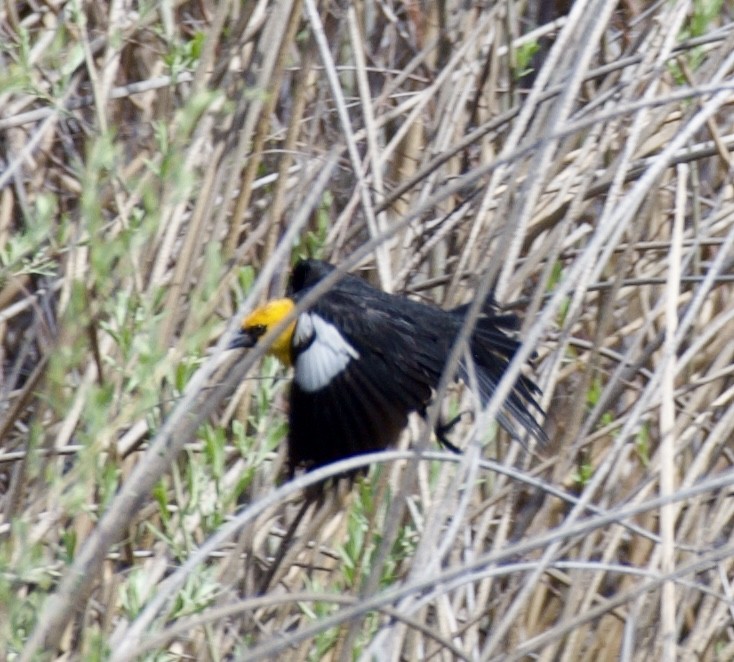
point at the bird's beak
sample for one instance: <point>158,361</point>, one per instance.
<point>242,339</point>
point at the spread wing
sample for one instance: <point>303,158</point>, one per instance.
<point>365,359</point>
<point>359,371</point>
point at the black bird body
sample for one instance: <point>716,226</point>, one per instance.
<point>365,359</point>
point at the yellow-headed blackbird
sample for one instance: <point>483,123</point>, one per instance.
<point>364,359</point>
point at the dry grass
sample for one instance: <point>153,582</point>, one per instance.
<point>156,159</point>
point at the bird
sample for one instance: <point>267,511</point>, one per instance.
<point>363,360</point>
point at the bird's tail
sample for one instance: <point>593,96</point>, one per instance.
<point>492,349</point>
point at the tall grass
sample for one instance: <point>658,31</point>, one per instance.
<point>160,168</point>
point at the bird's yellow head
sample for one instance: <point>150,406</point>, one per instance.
<point>260,321</point>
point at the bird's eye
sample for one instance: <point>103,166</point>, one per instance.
<point>257,330</point>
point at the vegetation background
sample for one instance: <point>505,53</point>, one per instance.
<point>163,163</point>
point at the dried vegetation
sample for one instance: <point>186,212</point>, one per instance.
<point>155,158</point>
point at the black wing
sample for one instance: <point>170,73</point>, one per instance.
<point>365,406</point>
<point>402,346</point>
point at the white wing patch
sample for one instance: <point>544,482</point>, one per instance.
<point>326,352</point>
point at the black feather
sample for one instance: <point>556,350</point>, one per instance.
<point>403,346</point>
